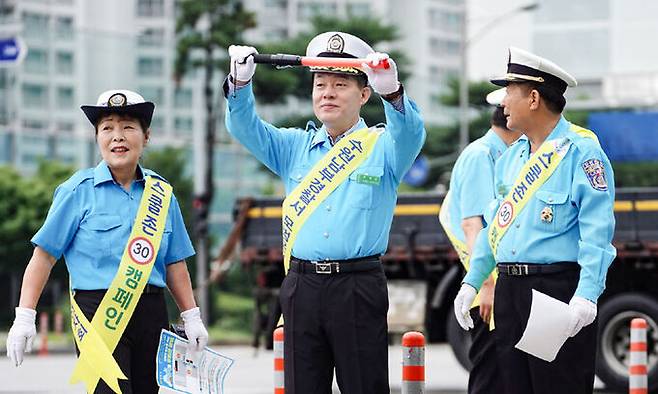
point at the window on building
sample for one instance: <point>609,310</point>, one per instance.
<point>309,10</point>
<point>64,126</point>
<point>64,27</point>
<point>445,20</point>
<point>183,98</point>
<point>36,61</point>
<point>33,125</point>
<point>358,10</point>
<point>65,97</point>
<point>276,3</point>
<point>183,125</point>
<point>152,93</point>
<point>439,46</point>
<point>35,25</point>
<point>150,8</point>
<point>150,67</point>
<point>151,38</point>
<point>64,63</point>
<point>35,96</point>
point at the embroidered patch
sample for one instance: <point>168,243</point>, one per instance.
<point>595,174</point>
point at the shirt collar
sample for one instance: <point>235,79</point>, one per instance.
<point>102,173</point>
<point>321,134</point>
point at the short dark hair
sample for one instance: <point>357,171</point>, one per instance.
<point>554,100</point>
<point>360,78</point>
<point>498,118</point>
<point>141,121</point>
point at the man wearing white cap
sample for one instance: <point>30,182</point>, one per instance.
<point>462,216</point>
<point>551,232</point>
<point>106,222</point>
<point>334,298</point>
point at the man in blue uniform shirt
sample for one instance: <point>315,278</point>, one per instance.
<point>462,215</point>
<point>335,318</point>
<point>551,231</point>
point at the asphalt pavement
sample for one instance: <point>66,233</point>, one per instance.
<point>250,374</point>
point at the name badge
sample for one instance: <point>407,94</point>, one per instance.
<point>368,179</point>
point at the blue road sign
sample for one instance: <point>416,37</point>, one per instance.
<point>417,174</point>
<point>12,51</point>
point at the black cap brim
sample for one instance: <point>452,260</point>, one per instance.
<point>142,111</point>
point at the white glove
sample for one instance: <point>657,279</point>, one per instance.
<point>583,313</point>
<point>21,334</point>
<point>463,303</point>
<point>242,63</point>
<point>383,80</point>
<point>197,335</point>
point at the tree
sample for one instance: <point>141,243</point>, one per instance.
<point>224,21</point>
<point>24,204</point>
<point>442,143</point>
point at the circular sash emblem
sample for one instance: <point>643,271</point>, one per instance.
<point>505,214</point>
<point>141,251</point>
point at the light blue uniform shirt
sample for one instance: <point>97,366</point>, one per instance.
<point>90,220</point>
<point>472,180</point>
<point>580,194</point>
<point>355,219</point>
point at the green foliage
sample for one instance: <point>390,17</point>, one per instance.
<point>477,93</point>
<point>442,143</point>
<point>170,162</point>
<point>227,20</point>
<point>636,174</point>
<point>24,204</point>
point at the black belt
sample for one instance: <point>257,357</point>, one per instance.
<point>148,289</point>
<point>329,267</point>
<point>520,269</point>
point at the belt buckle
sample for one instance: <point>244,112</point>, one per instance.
<point>323,268</point>
<point>517,269</point>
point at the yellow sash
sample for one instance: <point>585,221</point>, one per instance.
<point>460,248</point>
<point>325,176</point>
<point>534,173</point>
<point>98,339</point>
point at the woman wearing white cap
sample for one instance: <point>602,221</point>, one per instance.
<point>334,298</point>
<point>121,232</point>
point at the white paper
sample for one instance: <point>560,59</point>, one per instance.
<point>203,372</point>
<point>547,326</point>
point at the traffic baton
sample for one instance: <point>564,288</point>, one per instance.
<point>282,60</point>
<point>413,363</point>
<point>278,361</point>
<point>43,333</point>
<point>637,370</point>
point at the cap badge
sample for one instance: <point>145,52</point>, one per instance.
<point>336,44</point>
<point>547,215</point>
<point>117,100</point>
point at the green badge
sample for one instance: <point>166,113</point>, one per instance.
<point>368,179</point>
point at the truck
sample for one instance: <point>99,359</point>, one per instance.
<point>424,275</point>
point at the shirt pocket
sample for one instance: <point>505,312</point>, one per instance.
<point>552,212</point>
<point>296,176</point>
<point>99,234</point>
<point>365,187</point>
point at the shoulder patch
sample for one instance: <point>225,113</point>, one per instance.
<point>595,174</point>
